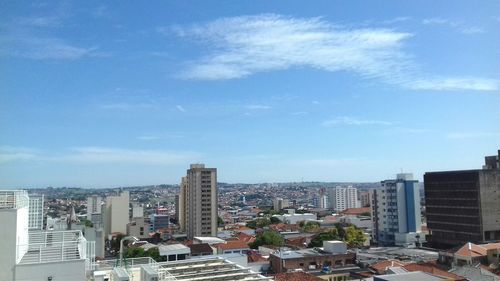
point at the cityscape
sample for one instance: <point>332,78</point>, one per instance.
<point>249,140</point>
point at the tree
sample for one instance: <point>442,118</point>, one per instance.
<point>317,241</point>
<point>340,230</point>
<point>268,238</point>
<point>258,223</point>
<point>87,223</point>
<point>135,252</point>
<point>354,237</point>
<point>274,220</point>
<point>115,243</point>
<point>220,221</point>
<point>311,226</point>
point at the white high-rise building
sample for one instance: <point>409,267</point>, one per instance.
<point>323,202</point>
<point>117,213</point>
<point>93,206</point>
<point>35,219</point>
<point>342,198</point>
<point>280,203</point>
<point>396,211</point>
<point>38,255</point>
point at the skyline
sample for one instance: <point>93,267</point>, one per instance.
<point>96,95</point>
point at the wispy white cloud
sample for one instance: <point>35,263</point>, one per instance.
<point>148,138</point>
<point>96,155</point>
<point>315,102</point>
<point>180,108</point>
<point>47,49</point>
<point>52,21</point>
<point>473,135</point>
<point>10,154</point>
<point>246,45</point>
<point>353,121</point>
<point>466,83</point>
<point>99,155</point>
<point>257,107</point>
<point>250,44</point>
<point>457,25</point>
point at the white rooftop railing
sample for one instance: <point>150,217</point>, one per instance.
<point>13,199</point>
<point>58,246</point>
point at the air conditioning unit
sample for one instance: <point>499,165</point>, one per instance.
<point>120,274</point>
<point>148,273</point>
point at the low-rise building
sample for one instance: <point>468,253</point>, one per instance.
<point>309,259</point>
<point>233,246</point>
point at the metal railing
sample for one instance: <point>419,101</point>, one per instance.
<point>13,199</point>
<point>58,246</point>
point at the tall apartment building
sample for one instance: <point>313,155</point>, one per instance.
<point>280,203</point>
<point>35,219</point>
<point>181,205</point>
<point>93,206</point>
<point>364,199</point>
<point>116,215</point>
<point>463,206</point>
<point>342,198</point>
<point>396,211</point>
<point>198,202</point>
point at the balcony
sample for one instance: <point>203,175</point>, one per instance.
<point>57,246</point>
<point>13,199</point>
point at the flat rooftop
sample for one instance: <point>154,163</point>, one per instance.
<point>304,253</point>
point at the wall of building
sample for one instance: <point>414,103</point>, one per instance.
<point>8,244</point>
<point>453,208</point>
<point>67,271</point>
<point>489,181</point>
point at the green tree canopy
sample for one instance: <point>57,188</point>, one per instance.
<point>258,223</point>
<point>311,226</point>
<point>274,220</point>
<point>268,238</point>
<point>354,236</point>
<point>317,241</point>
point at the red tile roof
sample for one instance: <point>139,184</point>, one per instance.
<point>235,244</point>
<point>381,267</point>
<point>434,270</point>
<point>242,236</point>
<point>471,250</point>
<point>356,211</point>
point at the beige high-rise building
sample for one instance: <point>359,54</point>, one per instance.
<point>117,213</point>
<point>181,205</point>
<point>198,202</point>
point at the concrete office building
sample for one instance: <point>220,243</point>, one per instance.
<point>39,255</point>
<point>116,213</point>
<point>93,206</point>
<point>35,219</point>
<point>137,211</point>
<point>140,227</point>
<point>160,221</point>
<point>342,198</point>
<point>396,211</point>
<point>199,207</point>
<point>280,203</point>
<point>463,206</point>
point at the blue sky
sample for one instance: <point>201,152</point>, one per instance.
<point>104,94</point>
